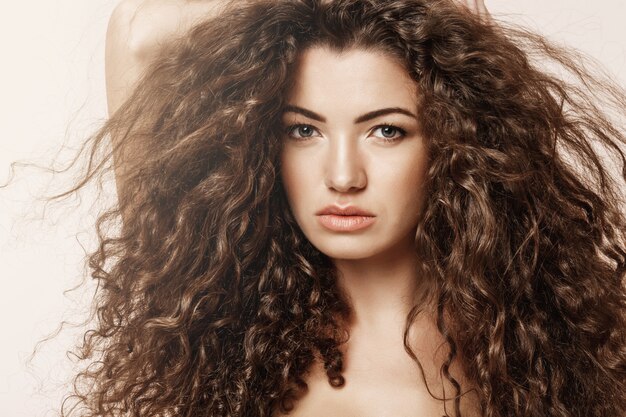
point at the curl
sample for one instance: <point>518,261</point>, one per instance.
<point>212,302</point>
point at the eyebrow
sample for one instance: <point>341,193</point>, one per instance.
<point>363,118</point>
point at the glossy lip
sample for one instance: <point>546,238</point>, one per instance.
<point>345,219</point>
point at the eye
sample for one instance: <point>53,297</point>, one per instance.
<point>390,133</point>
<point>300,131</point>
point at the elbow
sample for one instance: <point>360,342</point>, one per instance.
<point>132,28</point>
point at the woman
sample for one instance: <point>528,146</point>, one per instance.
<point>358,207</point>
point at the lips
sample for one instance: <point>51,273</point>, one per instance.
<point>345,219</point>
<point>344,211</point>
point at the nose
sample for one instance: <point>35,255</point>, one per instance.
<point>344,170</point>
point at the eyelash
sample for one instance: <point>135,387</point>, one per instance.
<point>289,129</point>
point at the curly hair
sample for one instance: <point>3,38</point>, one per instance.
<point>211,301</point>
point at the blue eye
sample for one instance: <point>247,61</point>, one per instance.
<point>390,133</point>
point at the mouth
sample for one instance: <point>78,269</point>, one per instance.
<point>344,211</point>
<point>338,223</point>
<point>345,219</point>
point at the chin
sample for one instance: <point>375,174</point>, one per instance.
<point>346,255</point>
<point>346,250</point>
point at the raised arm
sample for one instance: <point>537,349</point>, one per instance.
<point>137,32</point>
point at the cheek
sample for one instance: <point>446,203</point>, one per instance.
<point>405,185</point>
<point>292,178</point>
<point>405,172</point>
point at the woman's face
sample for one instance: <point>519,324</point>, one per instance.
<point>351,140</point>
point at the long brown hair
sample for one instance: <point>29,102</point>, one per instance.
<point>210,300</point>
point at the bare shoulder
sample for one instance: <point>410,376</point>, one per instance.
<point>137,31</point>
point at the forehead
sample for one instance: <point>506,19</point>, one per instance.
<point>353,77</point>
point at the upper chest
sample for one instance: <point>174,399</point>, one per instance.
<point>382,380</point>
<point>380,395</point>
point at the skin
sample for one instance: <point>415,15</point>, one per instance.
<point>338,161</point>
<point>137,31</point>
<point>348,163</point>
<point>476,6</point>
<point>379,169</point>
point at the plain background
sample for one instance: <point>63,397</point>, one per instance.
<point>52,93</point>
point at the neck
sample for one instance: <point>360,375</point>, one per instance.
<point>382,289</point>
